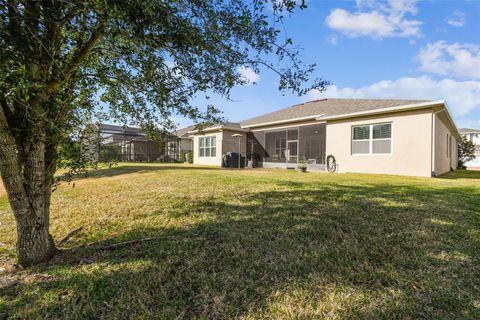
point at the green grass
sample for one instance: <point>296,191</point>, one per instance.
<point>255,244</point>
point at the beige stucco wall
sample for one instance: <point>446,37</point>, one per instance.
<point>186,145</point>
<point>411,144</point>
<point>215,161</point>
<point>224,143</point>
<point>444,162</point>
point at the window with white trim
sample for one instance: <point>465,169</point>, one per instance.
<point>207,147</point>
<point>372,139</point>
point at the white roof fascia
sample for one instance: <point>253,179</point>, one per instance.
<point>384,110</point>
<point>281,121</point>
<point>219,128</point>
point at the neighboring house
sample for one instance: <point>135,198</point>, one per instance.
<point>107,142</point>
<point>184,143</point>
<point>474,136</point>
<point>186,139</point>
<point>405,137</point>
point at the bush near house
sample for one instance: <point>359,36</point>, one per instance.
<point>466,152</point>
<point>186,156</point>
<point>174,241</point>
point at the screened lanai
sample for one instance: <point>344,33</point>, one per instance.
<point>129,144</point>
<point>286,147</point>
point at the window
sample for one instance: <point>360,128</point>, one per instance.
<point>207,147</point>
<point>372,139</point>
<point>361,140</point>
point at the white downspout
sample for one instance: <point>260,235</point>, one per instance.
<point>434,114</point>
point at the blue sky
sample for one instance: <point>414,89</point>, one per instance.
<point>378,49</point>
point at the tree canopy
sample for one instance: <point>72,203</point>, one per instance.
<point>135,61</point>
<point>143,60</point>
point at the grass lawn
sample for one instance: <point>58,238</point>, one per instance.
<point>253,244</point>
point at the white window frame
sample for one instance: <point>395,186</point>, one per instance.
<point>370,139</point>
<point>205,147</point>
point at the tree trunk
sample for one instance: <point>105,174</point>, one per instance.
<point>34,244</point>
<point>30,202</point>
<point>28,184</point>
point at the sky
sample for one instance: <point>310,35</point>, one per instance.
<point>403,49</point>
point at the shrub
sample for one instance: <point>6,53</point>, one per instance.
<point>186,156</point>
<point>466,151</point>
<point>182,157</point>
<point>302,163</point>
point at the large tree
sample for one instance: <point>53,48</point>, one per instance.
<point>138,61</point>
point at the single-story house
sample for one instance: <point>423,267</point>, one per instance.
<point>403,137</point>
<point>185,141</point>
<point>474,136</point>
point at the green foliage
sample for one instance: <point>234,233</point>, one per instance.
<point>181,157</point>
<point>189,156</point>
<point>109,154</point>
<point>466,151</point>
<point>137,62</point>
<point>302,163</point>
<point>186,156</point>
<point>74,162</point>
<point>70,161</point>
<point>65,63</point>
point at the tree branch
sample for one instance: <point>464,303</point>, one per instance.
<point>78,57</point>
<point>9,164</point>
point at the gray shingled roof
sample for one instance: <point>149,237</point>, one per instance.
<point>183,132</point>
<point>115,129</point>
<point>468,130</point>
<point>327,107</point>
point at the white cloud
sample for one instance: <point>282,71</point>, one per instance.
<point>463,97</point>
<point>376,19</point>
<point>459,60</point>
<point>457,19</point>
<point>248,75</point>
<point>332,39</point>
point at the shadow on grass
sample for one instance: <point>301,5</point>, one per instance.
<point>128,169</point>
<point>462,174</point>
<point>322,251</point>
